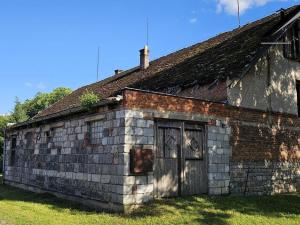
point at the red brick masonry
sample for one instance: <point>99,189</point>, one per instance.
<point>256,135</point>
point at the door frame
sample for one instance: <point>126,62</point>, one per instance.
<point>181,159</point>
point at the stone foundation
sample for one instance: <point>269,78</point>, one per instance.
<point>264,178</point>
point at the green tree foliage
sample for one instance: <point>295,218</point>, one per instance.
<point>44,100</point>
<point>28,109</point>
<point>19,114</point>
<point>89,99</point>
<point>3,121</point>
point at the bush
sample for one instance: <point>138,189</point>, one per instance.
<point>89,99</point>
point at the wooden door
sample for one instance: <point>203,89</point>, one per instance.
<point>194,160</point>
<point>167,160</point>
<point>180,159</point>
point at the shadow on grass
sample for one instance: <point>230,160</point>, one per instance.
<point>197,211</point>
<point>201,209</point>
<point>14,194</point>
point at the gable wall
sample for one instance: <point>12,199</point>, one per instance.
<point>254,92</point>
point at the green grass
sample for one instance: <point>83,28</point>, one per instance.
<point>21,207</point>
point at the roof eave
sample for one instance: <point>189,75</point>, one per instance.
<point>68,112</point>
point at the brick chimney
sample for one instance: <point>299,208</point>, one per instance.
<point>144,58</point>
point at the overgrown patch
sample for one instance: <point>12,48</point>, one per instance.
<point>89,99</point>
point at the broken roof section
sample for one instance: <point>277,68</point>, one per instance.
<point>229,54</point>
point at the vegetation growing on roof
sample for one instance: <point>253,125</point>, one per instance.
<point>89,99</point>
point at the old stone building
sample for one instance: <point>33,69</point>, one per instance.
<point>219,117</point>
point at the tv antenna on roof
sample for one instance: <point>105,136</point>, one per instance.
<point>98,56</point>
<point>238,10</point>
<point>147,39</point>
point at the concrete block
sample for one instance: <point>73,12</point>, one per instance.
<point>96,178</point>
<point>141,123</point>
<point>80,136</point>
<point>105,179</point>
<point>54,151</point>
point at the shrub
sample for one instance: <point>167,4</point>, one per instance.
<point>89,99</point>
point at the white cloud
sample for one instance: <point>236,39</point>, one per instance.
<point>230,6</point>
<point>193,20</point>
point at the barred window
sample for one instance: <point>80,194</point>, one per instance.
<point>46,137</point>
<point>29,140</point>
<point>58,137</point>
<point>95,132</point>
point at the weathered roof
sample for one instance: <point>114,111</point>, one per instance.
<point>229,54</point>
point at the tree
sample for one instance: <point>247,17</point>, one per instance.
<point>44,100</point>
<point>28,109</point>
<point>58,93</point>
<point>3,122</point>
<point>19,114</point>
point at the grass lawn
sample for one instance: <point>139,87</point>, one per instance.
<point>21,207</point>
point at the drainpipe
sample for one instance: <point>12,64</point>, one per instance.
<point>269,81</point>
<point>269,107</point>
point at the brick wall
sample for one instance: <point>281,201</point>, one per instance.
<point>206,92</point>
<point>265,147</point>
<point>257,135</point>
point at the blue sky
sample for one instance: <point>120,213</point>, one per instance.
<point>45,44</point>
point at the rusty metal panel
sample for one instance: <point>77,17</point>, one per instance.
<point>141,161</point>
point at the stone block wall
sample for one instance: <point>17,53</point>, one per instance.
<point>68,164</point>
<point>139,133</point>
<point>250,152</point>
<point>264,178</point>
<point>219,153</point>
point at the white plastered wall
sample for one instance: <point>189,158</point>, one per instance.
<point>276,92</point>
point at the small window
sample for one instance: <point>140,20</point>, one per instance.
<point>29,140</point>
<point>13,150</point>
<point>298,96</point>
<point>58,137</point>
<point>13,142</point>
<point>95,132</point>
<point>292,50</point>
<point>46,137</point>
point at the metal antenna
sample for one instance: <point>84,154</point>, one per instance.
<point>238,6</point>
<point>98,55</point>
<point>147,31</point>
